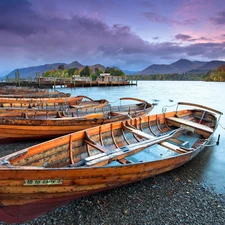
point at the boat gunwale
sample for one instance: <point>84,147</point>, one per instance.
<point>80,134</point>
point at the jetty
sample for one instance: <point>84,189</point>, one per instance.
<point>52,82</point>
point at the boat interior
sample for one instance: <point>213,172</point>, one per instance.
<point>139,140</point>
<point>86,112</point>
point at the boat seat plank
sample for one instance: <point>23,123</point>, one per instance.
<point>190,124</point>
<point>139,133</point>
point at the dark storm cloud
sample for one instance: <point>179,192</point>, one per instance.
<point>17,17</point>
<point>156,18</point>
<point>219,19</point>
<point>79,37</point>
<point>24,22</point>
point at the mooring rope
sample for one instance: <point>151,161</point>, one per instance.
<point>222,126</point>
<point>164,108</point>
<point>114,101</point>
<point>211,145</point>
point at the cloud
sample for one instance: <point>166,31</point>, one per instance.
<point>156,18</point>
<point>17,17</point>
<point>147,4</point>
<point>219,19</point>
<point>185,37</point>
<point>30,37</point>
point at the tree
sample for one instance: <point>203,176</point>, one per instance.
<point>17,75</point>
<point>72,71</point>
<point>98,71</point>
<point>94,76</point>
<point>85,72</point>
<point>114,71</point>
<point>61,67</point>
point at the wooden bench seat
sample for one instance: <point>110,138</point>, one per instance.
<point>190,125</point>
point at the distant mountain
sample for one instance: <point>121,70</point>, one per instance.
<point>99,66</point>
<point>31,71</point>
<point>181,66</point>
<point>74,64</point>
<point>129,72</point>
<point>211,65</point>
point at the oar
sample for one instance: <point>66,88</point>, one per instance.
<point>131,149</point>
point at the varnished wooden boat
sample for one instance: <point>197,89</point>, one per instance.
<point>41,124</point>
<point>39,178</point>
<point>90,103</point>
<point>80,102</point>
<point>21,92</point>
<point>37,95</point>
<point>39,102</point>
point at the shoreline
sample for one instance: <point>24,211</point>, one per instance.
<point>170,198</point>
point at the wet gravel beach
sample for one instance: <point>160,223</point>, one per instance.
<point>171,198</point>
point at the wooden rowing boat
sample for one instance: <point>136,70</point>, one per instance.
<point>80,102</point>
<point>21,92</point>
<point>36,95</point>
<point>37,179</point>
<point>90,103</point>
<point>40,124</point>
<point>38,102</point>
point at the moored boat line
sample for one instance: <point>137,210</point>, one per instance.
<point>19,124</point>
<point>42,177</point>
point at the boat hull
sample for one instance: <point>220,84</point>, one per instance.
<point>97,179</point>
<point>14,127</point>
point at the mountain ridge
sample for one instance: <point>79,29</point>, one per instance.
<point>180,66</point>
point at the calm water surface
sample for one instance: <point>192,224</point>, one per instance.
<point>209,166</point>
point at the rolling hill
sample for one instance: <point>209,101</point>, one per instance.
<point>181,66</point>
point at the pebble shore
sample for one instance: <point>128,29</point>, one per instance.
<point>173,198</point>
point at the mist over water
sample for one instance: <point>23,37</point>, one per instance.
<point>209,166</point>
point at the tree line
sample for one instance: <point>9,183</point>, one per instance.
<point>217,74</point>
<point>62,72</point>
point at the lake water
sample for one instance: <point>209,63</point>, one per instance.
<point>209,166</point>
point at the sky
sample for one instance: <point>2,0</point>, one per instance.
<point>129,34</point>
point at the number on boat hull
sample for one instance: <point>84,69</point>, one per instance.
<point>42,182</point>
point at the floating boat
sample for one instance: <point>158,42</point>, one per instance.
<point>37,95</point>
<point>90,103</point>
<point>80,103</point>
<point>36,124</point>
<point>40,178</point>
<point>21,92</point>
<point>38,102</point>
